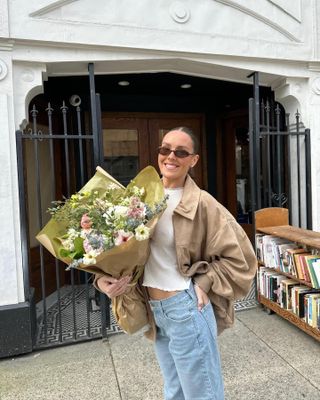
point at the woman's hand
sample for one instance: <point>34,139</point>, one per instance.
<point>202,297</point>
<point>113,287</point>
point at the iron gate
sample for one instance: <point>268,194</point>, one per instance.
<point>57,154</point>
<point>280,160</point>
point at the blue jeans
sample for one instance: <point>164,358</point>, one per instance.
<point>186,348</point>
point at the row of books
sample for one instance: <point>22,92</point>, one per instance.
<point>291,295</point>
<point>289,257</point>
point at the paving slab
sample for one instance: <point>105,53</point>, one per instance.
<point>255,369</point>
<point>263,358</point>
<point>81,371</point>
<point>301,351</point>
<point>138,372</point>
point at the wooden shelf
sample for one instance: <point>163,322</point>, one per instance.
<point>290,316</point>
<point>266,221</point>
<point>261,264</point>
<point>303,236</point>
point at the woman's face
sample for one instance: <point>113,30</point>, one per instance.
<point>174,169</point>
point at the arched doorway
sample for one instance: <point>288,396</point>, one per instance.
<point>133,117</point>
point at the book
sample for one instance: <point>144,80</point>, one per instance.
<point>299,301</point>
<point>271,257</point>
<point>282,248</point>
<point>314,319</point>
<point>286,293</point>
<point>291,261</point>
<point>310,308</point>
<point>277,291</point>
<point>259,246</point>
<point>316,268</point>
<point>304,267</point>
<point>299,267</point>
<point>309,260</point>
<point>295,297</point>
<point>276,243</point>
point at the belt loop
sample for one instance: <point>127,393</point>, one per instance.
<point>191,291</point>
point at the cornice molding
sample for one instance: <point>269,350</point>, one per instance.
<point>6,46</point>
<point>314,66</point>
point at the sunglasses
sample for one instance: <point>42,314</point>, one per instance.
<point>165,151</point>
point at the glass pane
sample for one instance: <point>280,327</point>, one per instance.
<point>243,175</point>
<point>120,150</point>
<point>162,132</point>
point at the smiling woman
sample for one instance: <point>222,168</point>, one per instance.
<point>200,261</point>
<point>179,157</point>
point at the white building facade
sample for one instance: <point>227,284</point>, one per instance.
<point>224,40</point>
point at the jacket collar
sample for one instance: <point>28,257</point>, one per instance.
<point>190,199</point>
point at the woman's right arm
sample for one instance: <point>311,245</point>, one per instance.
<point>112,287</point>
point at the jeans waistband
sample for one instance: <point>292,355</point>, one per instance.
<point>180,297</point>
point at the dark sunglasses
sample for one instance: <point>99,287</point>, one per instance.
<point>165,151</point>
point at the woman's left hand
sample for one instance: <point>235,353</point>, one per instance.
<point>202,297</point>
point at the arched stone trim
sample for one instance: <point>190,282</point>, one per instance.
<point>28,82</point>
<point>260,17</point>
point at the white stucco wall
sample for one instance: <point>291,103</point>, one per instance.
<point>221,39</point>
<point>11,281</point>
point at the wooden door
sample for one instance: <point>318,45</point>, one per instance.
<point>234,168</point>
<point>131,140</point>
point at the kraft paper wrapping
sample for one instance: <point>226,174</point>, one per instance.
<point>130,310</point>
<point>127,259</point>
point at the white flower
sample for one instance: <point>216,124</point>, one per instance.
<point>142,232</point>
<point>72,233</point>
<point>68,244</point>
<point>90,258</point>
<point>120,211</point>
<point>122,237</point>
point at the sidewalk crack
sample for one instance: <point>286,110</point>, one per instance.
<point>114,368</point>
<point>279,355</point>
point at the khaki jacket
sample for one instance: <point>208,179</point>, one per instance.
<point>214,250</point>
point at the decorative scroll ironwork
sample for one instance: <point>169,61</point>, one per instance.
<point>280,169</point>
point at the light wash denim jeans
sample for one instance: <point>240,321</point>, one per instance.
<point>186,348</point>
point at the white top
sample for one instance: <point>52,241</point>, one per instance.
<point>161,269</point>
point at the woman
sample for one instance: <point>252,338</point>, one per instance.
<point>200,262</point>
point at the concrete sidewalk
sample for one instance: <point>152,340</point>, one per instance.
<point>263,356</point>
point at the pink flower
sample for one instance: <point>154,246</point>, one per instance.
<point>86,222</point>
<point>137,209</point>
<point>122,237</point>
<point>87,246</point>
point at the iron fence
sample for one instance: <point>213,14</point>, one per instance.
<point>56,157</point>
<point>280,162</point>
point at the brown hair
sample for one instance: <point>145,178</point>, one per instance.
<point>193,137</point>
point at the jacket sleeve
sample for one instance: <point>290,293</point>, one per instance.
<point>231,264</point>
<point>94,283</point>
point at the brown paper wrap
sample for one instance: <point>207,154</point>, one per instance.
<point>127,259</point>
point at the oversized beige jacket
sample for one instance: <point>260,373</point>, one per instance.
<point>214,250</point>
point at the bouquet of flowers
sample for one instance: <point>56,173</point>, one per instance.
<point>105,229</point>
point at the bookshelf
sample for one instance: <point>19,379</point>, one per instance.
<point>275,221</point>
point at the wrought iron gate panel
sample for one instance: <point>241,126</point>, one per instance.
<point>56,156</point>
<point>280,163</point>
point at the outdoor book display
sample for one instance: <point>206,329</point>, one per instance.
<point>288,278</point>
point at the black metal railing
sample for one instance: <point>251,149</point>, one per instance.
<point>56,156</point>
<point>280,162</point>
